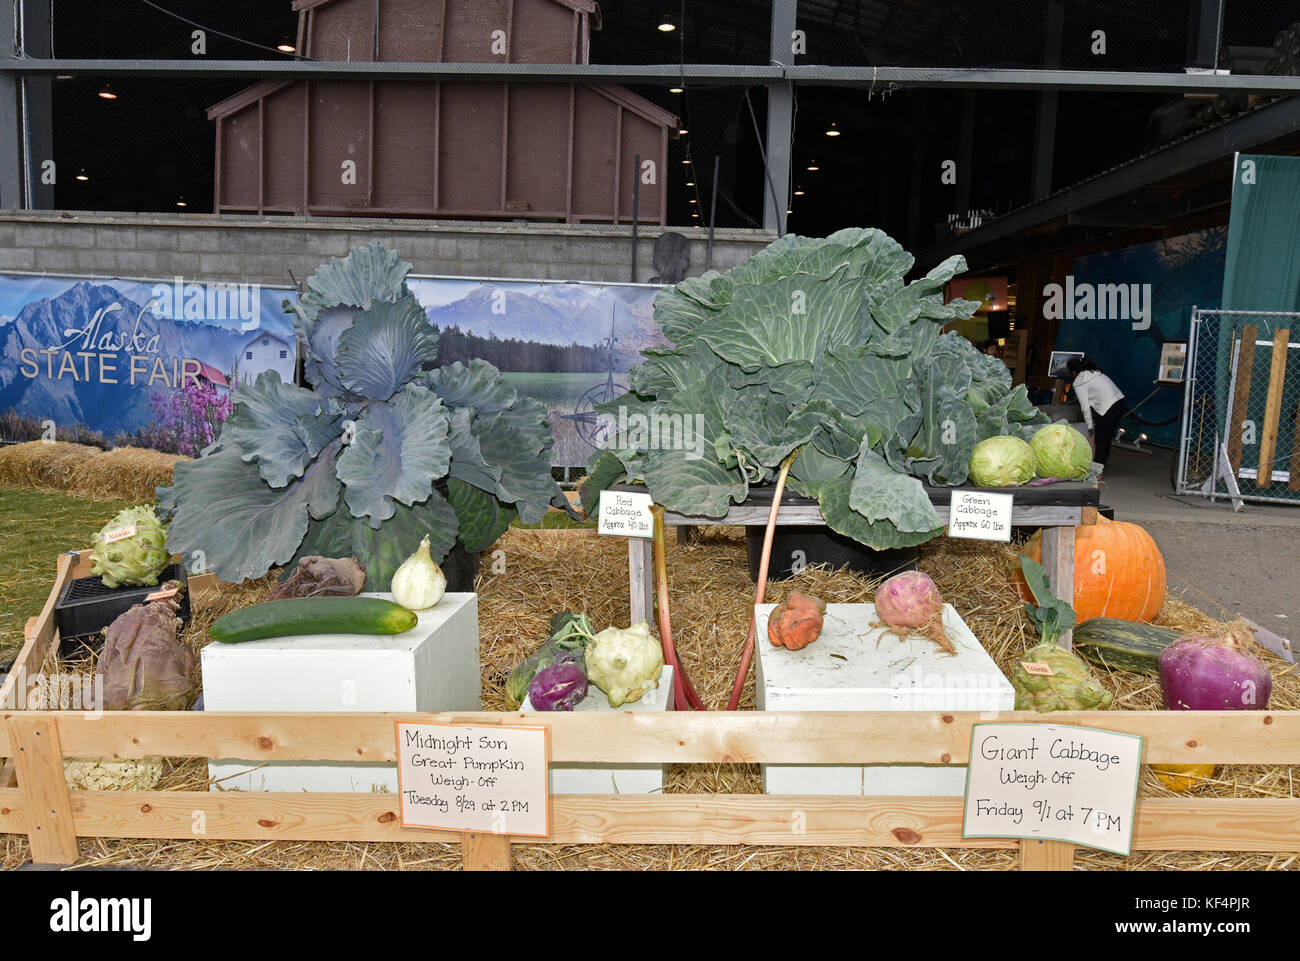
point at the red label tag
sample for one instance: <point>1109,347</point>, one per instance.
<point>1038,667</point>
<point>119,534</point>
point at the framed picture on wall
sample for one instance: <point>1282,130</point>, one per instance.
<point>1056,366</point>
<point>1173,362</point>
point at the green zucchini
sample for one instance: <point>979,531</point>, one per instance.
<point>313,615</point>
<point>1122,645</point>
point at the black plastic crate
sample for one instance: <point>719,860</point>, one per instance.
<point>87,607</point>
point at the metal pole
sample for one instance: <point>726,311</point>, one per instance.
<point>780,117</point>
<point>636,209</point>
<point>713,214</point>
<point>11,133</point>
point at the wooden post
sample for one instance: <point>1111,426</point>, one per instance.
<point>1272,409</point>
<point>1058,561</point>
<point>38,762</point>
<point>1046,855</point>
<point>1241,393</point>
<point>640,571</point>
<point>485,852</point>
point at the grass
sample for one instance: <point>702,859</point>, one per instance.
<point>35,527</point>
<point>38,525</point>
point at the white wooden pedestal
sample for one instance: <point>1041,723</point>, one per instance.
<point>432,667</point>
<point>624,778</point>
<point>845,670</point>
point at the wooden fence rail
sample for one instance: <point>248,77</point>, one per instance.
<point>53,817</point>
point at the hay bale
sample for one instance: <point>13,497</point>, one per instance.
<point>126,473</point>
<point>48,465</point>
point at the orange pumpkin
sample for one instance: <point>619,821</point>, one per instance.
<point>1118,571</point>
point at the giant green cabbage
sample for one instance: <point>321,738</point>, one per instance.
<point>818,346</point>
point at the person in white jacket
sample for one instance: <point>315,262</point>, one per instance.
<point>1097,394</point>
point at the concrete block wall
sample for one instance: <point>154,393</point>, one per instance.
<point>278,250</point>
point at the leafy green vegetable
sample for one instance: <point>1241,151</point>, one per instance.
<point>1051,615</point>
<point>818,346</point>
<point>379,453</point>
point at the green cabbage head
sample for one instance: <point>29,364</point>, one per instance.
<point>1001,462</point>
<point>624,663</point>
<point>135,560</point>
<point>1061,451</point>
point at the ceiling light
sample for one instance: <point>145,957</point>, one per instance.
<point>687,161</point>
<point>691,201</point>
<point>690,183</point>
<point>667,26</point>
<point>789,210</point>
<point>107,93</point>
<point>286,47</point>
<point>833,131</point>
<point>81,175</point>
<point>812,165</point>
<point>676,90</point>
<point>180,202</point>
<point>682,132</point>
<point>798,192</point>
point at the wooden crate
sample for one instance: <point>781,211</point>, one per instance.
<point>54,817</point>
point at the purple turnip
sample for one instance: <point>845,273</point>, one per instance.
<point>1214,674</point>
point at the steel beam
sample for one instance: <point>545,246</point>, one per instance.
<point>11,164</point>
<point>1045,122</point>
<point>780,119</point>
<point>1218,143</point>
<point>35,92</point>
<point>977,78</point>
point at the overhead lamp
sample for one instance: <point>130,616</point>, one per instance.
<point>285,46</point>
<point>682,132</point>
<point>798,192</point>
<point>691,201</point>
<point>676,89</point>
<point>107,92</point>
<point>812,166</point>
<point>687,161</point>
<point>82,175</point>
<point>789,210</point>
<point>666,25</point>
<point>180,202</point>
<point>834,131</point>
<point>690,183</point>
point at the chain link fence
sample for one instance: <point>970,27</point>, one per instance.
<point>1240,434</point>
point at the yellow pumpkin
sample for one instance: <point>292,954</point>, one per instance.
<point>1118,571</point>
<point>1183,777</point>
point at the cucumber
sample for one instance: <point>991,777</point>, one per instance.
<point>1122,645</point>
<point>313,615</point>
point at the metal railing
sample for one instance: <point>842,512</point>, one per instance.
<point>1240,437</point>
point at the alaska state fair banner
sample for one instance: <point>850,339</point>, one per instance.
<point>151,364</point>
<point>568,345</point>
